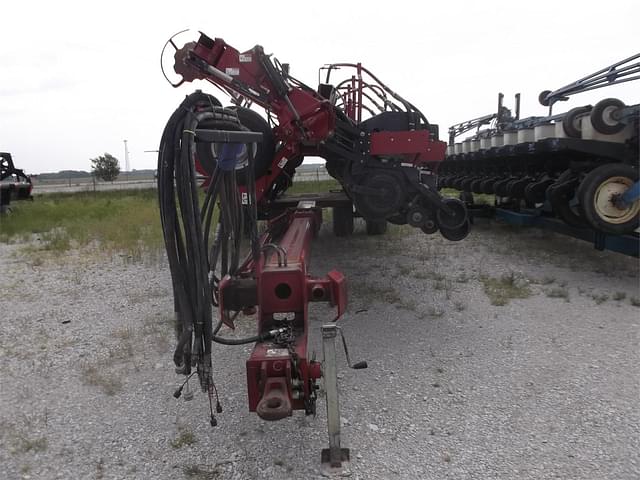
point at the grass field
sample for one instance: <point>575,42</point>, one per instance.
<point>118,220</point>
<point>478,198</point>
<point>125,220</point>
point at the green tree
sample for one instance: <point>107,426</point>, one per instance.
<point>105,167</point>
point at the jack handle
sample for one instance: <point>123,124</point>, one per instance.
<point>356,366</point>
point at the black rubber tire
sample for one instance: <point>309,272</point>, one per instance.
<point>466,198</point>
<point>508,187</point>
<point>457,181</point>
<point>500,187</point>
<point>430,228</point>
<point>465,185</point>
<point>388,203</point>
<point>588,191</point>
<point>376,227</point>
<point>264,150</point>
<point>475,186</point>
<point>535,191</point>
<point>516,188</point>
<point>398,219</point>
<point>22,192</point>
<point>569,121</point>
<point>456,234</point>
<point>560,204</point>
<point>343,221</point>
<point>599,116</point>
<point>542,98</point>
<point>416,216</point>
<point>457,220</point>
<point>487,185</point>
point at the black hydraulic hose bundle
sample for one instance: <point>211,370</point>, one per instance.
<point>187,228</point>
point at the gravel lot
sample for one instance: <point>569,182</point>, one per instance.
<point>544,386</point>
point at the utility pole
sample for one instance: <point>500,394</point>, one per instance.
<point>126,157</point>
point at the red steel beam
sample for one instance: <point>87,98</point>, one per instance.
<point>280,377</point>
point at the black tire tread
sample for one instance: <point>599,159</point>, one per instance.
<point>376,227</point>
<point>343,221</point>
<point>567,121</point>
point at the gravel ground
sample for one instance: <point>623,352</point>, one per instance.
<point>544,386</point>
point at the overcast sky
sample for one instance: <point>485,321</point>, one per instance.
<point>77,78</point>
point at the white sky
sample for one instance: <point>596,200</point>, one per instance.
<point>77,78</point>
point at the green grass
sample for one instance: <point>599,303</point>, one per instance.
<point>314,187</point>
<point>24,444</point>
<point>127,221</point>
<point>97,376</point>
<point>120,220</point>
<point>618,296</point>
<point>370,293</point>
<point>478,198</point>
<point>600,298</point>
<point>185,438</point>
<point>501,290</point>
<point>558,292</point>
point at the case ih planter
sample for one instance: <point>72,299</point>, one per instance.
<point>381,149</point>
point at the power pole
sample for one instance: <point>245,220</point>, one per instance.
<point>126,157</point>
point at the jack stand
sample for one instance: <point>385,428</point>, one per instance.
<point>334,456</point>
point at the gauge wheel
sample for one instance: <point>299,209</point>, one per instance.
<point>602,116</point>
<point>456,234</point>
<point>598,193</point>
<point>458,215</point>
<point>571,122</point>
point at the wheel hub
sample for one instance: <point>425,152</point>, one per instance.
<point>607,116</point>
<point>605,206</point>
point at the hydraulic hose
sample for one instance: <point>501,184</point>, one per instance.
<point>187,227</point>
<point>183,230</point>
